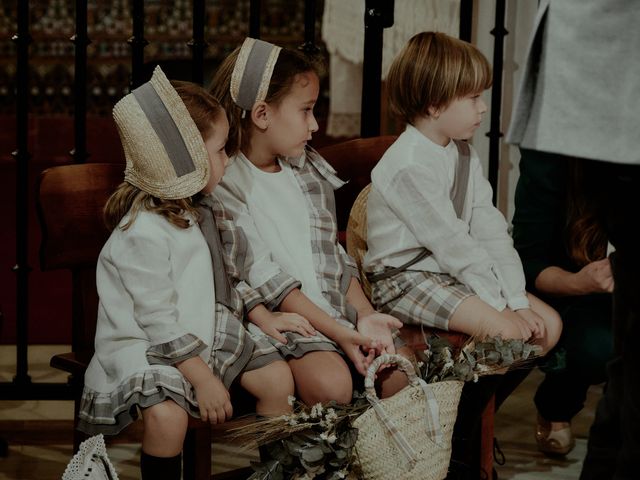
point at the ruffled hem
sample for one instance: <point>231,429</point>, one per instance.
<point>176,350</point>
<point>109,413</point>
<point>298,345</point>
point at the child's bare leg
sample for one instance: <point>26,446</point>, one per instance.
<point>165,426</point>
<point>322,377</point>
<point>271,385</point>
<point>391,381</point>
<point>479,319</point>
<point>552,322</point>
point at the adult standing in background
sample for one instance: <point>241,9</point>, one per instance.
<point>580,98</point>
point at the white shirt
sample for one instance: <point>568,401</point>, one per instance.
<point>410,208</point>
<point>275,220</point>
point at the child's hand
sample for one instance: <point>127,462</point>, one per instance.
<point>534,323</point>
<point>354,344</point>
<point>378,326</point>
<point>286,322</point>
<point>214,401</point>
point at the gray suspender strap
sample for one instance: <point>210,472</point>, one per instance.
<point>458,195</point>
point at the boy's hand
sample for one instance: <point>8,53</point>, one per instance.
<point>534,323</point>
<point>286,322</point>
<point>214,401</point>
<point>354,344</point>
<point>378,326</point>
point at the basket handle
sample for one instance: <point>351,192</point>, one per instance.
<point>403,364</point>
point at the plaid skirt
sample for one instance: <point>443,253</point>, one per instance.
<point>420,298</point>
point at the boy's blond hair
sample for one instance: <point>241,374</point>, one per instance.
<point>431,71</point>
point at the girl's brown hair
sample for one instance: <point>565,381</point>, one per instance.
<point>289,65</point>
<point>585,237</point>
<point>432,70</point>
<point>205,110</point>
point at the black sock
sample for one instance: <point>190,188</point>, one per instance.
<point>167,468</point>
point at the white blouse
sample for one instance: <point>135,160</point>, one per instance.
<point>275,220</point>
<point>410,208</point>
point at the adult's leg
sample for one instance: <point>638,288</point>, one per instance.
<point>614,440</point>
<point>322,377</point>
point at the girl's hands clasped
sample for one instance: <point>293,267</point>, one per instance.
<point>378,326</point>
<point>354,345</point>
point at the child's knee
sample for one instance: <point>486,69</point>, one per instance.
<point>277,380</point>
<point>166,417</point>
<point>327,386</point>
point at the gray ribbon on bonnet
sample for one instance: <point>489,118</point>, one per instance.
<point>211,234</point>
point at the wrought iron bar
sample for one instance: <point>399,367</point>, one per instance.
<point>378,15</point>
<point>495,133</point>
<point>197,43</point>
<point>254,18</point>
<point>137,42</point>
<point>81,41</point>
<point>22,39</point>
<point>309,46</point>
<point>466,20</point>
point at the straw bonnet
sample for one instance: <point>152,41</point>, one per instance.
<point>252,72</point>
<point>165,152</point>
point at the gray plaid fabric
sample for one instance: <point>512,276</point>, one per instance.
<point>420,298</point>
<point>334,268</point>
<point>175,351</point>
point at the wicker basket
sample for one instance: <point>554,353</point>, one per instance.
<point>381,453</point>
<point>357,235</point>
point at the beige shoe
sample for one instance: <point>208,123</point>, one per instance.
<point>554,442</point>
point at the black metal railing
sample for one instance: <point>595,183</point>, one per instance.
<point>378,15</point>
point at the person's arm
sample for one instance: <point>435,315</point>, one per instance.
<point>141,259</point>
<point>595,277</point>
<point>274,323</point>
<point>261,273</point>
<point>489,227</point>
<point>213,398</point>
<point>378,326</point>
<point>419,197</point>
<point>351,341</point>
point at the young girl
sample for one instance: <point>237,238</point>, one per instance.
<point>280,191</point>
<point>439,251</point>
<point>164,344</point>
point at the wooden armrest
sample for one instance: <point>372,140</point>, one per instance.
<point>72,362</point>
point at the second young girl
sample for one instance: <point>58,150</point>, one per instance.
<point>280,192</point>
<point>170,339</point>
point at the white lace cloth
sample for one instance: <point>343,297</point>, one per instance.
<point>343,33</point>
<point>91,462</point>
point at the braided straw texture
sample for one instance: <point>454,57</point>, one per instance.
<point>148,165</point>
<point>357,235</point>
<point>378,454</point>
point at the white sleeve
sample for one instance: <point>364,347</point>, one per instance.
<point>419,197</point>
<point>142,260</point>
<point>263,274</point>
<point>489,227</point>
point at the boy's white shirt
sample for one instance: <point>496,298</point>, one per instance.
<point>410,208</point>
<point>275,220</point>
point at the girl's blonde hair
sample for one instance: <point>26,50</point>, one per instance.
<point>205,110</point>
<point>431,71</point>
<point>289,65</point>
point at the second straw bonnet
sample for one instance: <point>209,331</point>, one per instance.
<point>252,72</point>
<point>165,153</point>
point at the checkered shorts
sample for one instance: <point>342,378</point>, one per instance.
<point>420,298</point>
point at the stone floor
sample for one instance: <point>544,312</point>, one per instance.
<point>45,456</point>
